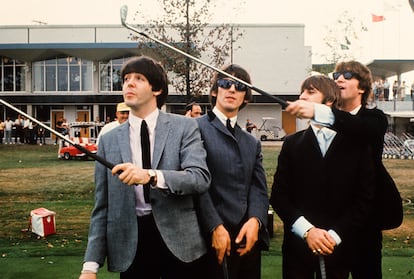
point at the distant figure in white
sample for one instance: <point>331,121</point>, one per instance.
<point>122,113</point>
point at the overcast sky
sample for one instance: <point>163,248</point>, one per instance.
<point>392,37</point>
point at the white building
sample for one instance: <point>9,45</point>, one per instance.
<point>51,72</point>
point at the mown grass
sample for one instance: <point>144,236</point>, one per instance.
<point>33,176</point>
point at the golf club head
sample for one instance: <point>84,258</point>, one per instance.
<point>124,13</point>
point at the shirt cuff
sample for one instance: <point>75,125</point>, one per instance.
<point>301,226</point>
<point>160,180</point>
<point>335,236</point>
<point>323,115</point>
<point>90,266</point>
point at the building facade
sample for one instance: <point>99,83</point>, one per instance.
<point>73,72</point>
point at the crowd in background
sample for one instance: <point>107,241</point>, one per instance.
<point>383,90</point>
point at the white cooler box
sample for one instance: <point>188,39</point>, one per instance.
<point>42,221</point>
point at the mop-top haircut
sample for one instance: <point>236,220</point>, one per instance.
<point>363,74</point>
<point>238,72</point>
<point>153,72</point>
<point>325,85</point>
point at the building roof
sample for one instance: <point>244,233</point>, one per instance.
<point>383,68</point>
<point>38,52</point>
<point>390,67</point>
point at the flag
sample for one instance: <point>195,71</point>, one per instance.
<point>377,18</point>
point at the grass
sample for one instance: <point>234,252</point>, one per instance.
<point>32,177</point>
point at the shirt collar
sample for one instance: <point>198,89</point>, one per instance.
<point>151,120</point>
<point>355,110</point>
<point>223,118</point>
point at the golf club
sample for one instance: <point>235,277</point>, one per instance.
<point>79,147</point>
<point>124,12</point>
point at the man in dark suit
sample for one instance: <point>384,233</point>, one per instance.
<point>158,237</point>
<point>323,192</point>
<point>369,126</point>
<point>234,211</point>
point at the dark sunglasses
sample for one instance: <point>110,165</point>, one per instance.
<point>347,75</point>
<point>227,83</point>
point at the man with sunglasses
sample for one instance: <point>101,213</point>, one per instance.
<point>369,124</point>
<point>322,191</point>
<point>234,210</point>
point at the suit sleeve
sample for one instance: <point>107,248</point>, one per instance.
<point>194,176</point>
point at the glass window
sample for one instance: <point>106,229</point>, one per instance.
<point>63,74</point>
<point>110,75</point>
<point>12,75</point>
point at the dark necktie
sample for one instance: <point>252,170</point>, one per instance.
<point>229,127</point>
<point>146,156</point>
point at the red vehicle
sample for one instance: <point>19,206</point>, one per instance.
<point>67,151</point>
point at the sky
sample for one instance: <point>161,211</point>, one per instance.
<point>390,38</point>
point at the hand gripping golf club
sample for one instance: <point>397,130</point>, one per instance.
<point>77,146</point>
<point>124,12</point>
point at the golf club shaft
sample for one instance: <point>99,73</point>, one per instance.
<point>124,12</point>
<point>79,147</point>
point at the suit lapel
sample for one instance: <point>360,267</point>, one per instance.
<point>123,142</point>
<point>161,130</point>
<point>219,125</point>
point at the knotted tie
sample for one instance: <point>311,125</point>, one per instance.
<point>324,136</point>
<point>146,156</point>
<point>229,127</point>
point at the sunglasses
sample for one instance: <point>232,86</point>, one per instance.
<point>227,83</point>
<point>347,75</point>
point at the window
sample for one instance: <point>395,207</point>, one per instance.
<point>110,75</point>
<point>12,75</point>
<point>63,74</point>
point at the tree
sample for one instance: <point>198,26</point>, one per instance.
<point>342,41</point>
<point>185,26</point>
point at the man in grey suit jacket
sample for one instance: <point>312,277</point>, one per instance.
<point>234,211</point>
<point>160,237</point>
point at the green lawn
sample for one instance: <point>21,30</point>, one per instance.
<point>32,177</point>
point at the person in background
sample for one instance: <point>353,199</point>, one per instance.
<point>122,114</point>
<point>2,127</point>
<point>386,90</point>
<point>193,110</point>
<point>412,91</point>
<point>8,130</point>
<point>234,210</point>
<point>144,222</point>
<point>323,192</point>
<point>250,125</point>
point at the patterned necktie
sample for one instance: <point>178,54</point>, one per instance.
<point>146,156</point>
<point>229,127</point>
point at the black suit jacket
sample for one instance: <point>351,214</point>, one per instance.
<point>332,192</point>
<point>370,126</point>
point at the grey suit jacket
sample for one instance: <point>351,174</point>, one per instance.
<point>179,154</point>
<point>238,188</point>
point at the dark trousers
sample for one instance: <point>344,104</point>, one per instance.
<point>154,260</point>
<point>367,255</point>
<point>245,267</point>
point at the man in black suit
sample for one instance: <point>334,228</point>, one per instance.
<point>369,126</point>
<point>323,192</point>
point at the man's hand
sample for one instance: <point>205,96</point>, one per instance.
<point>87,276</point>
<point>249,232</point>
<point>131,174</point>
<point>320,242</point>
<point>221,242</point>
<point>301,109</point>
